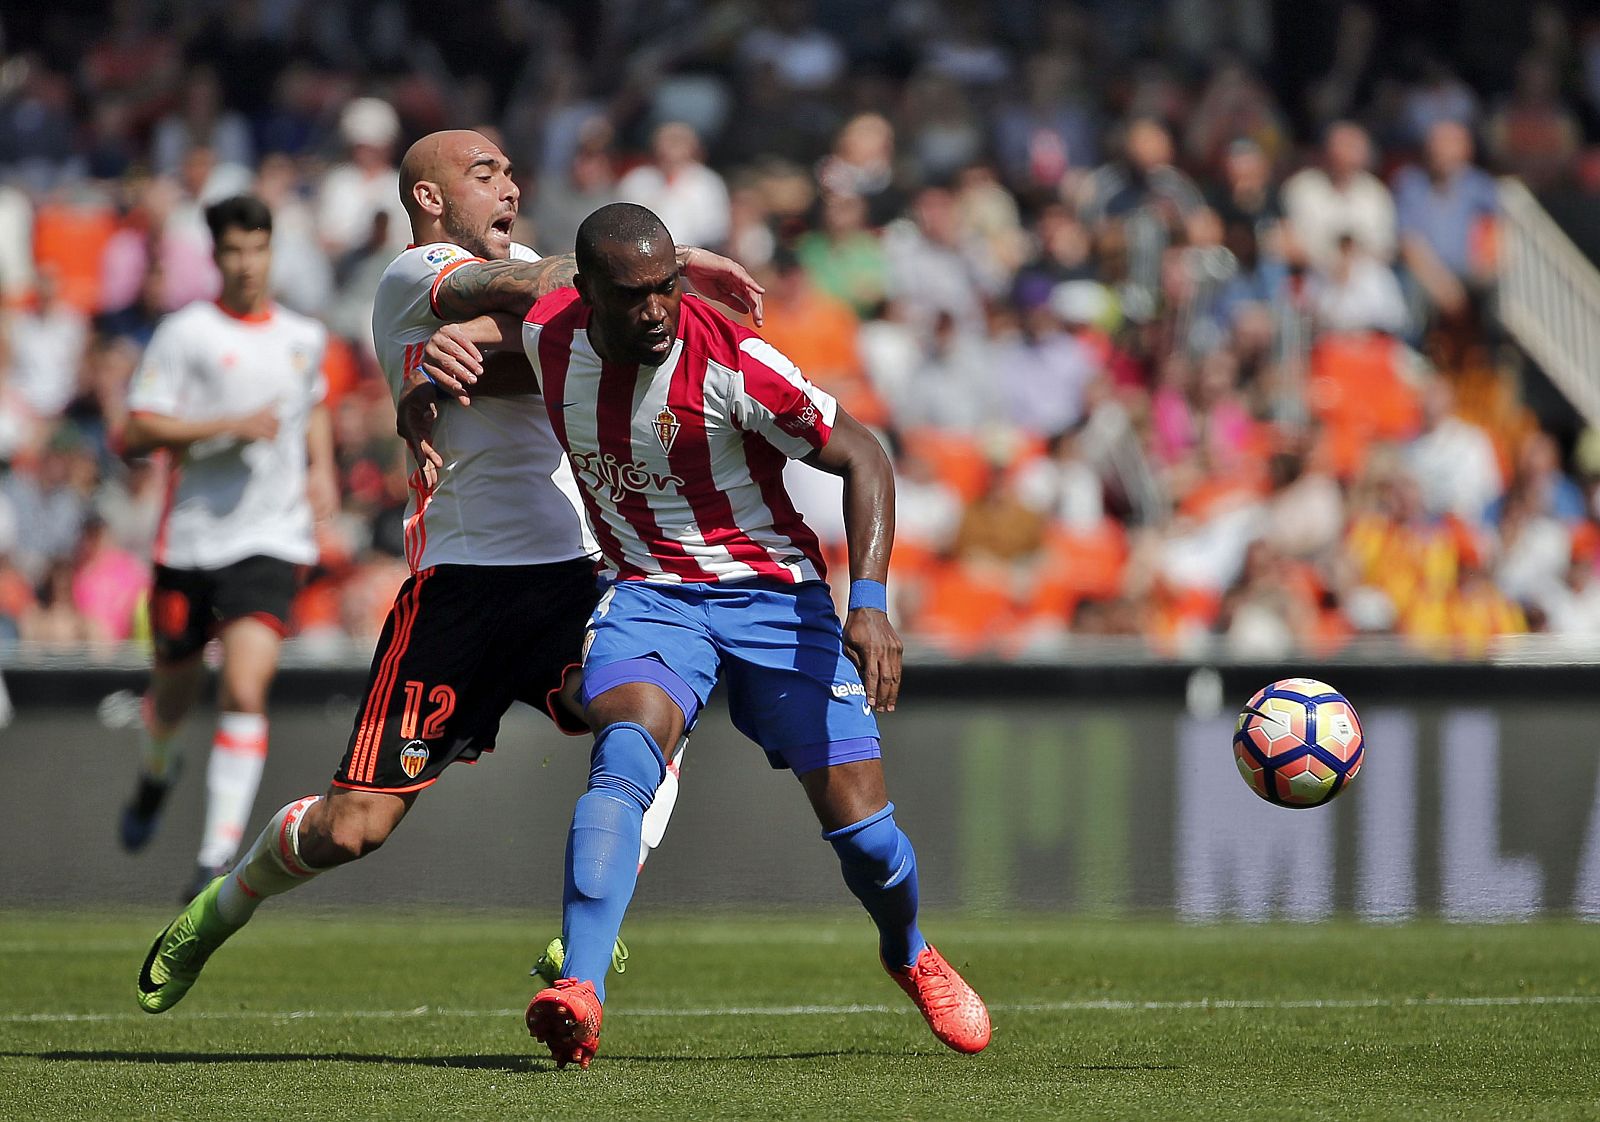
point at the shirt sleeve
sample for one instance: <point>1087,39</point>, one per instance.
<point>772,399</point>
<point>158,385</point>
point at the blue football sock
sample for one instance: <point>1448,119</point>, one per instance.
<point>603,848</point>
<point>880,867</point>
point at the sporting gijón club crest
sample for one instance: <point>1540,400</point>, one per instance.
<point>667,428</point>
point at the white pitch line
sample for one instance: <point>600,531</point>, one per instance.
<point>1074,1006</point>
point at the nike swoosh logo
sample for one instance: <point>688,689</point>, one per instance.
<point>147,984</point>
<point>562,404</point>
<point>867,709</point>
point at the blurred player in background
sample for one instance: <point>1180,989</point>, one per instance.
<point>503,570</point>
<point>232,391</point>
<point>678,423</point>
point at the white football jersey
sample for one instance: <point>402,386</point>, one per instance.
<point>228,499</point>
<point>505,495</point>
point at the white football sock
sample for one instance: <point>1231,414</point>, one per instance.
<point>270,867</point>
<point>238,755</point>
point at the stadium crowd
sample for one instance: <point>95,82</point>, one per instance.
<point>1176,314</point>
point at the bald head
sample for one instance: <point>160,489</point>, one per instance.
<point>457,187</point>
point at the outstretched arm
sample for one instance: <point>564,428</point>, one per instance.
<point>854,454</point>
<point>512,287</point>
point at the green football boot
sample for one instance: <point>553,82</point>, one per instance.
<point>180,951</point>
<point>555,957</point>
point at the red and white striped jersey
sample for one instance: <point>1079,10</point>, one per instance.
<point>681,465</point>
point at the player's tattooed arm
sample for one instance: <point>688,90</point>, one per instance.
<point>513,287</point>
<point>854,454</point>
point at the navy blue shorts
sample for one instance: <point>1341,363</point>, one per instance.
<point>779,646</point>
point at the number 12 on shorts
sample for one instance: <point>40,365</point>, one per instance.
<point>444,701</point>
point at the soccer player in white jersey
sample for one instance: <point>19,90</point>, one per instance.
<point>232,391</point>
<point>503,570</point>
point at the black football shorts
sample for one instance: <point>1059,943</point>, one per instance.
<point>461,643</point>
<point>188,606</point>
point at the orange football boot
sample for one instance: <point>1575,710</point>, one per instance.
<point>566,1018</point>
<point>953,1009</point>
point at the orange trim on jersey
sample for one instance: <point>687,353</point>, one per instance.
<point>433,293</point>
<point>243,745</point>
<point>397,616</point>
<point>416,527</point>
<point>263,316</point>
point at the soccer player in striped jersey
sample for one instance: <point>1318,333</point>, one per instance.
<point>503,570</point>
<point>231,390</point>
<point>678,423</point>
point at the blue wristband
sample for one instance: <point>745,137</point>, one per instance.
<point>424,372</point>
<point>869,594</point>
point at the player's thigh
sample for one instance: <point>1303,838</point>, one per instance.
<point>437,687</point>
<point>651,635</point>
<point>791,688</point>
<point>250,649</point>
<point>641,703</point>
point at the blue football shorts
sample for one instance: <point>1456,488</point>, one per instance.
<point>779,646</point>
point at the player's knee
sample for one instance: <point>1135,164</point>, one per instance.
<point>638,703</point>
<point>874,843</point>
<point>243,695</point>
<point>349,834</point>
<point>627,763</point>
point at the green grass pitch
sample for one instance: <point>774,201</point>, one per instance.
<point>312,1014</point>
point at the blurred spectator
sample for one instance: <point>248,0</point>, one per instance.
<point>46,346</point>
<point>54,622</point>
<point>1234,105</point>
<point>1531,134</point>
<point>108,583</point>
<point>863,163</point>
<point>1249,195</point>
<point>1148,199</point>
<point>689,197</point>
<point>1340,198</point>
<point>201,121</point>
<point>1356,292</point>
<point>568,196</point>
<point>951,383</point>
<point>842,257</point>
<point>927,271</point>
<point>354,193</point>
<point>805,58</point>
<point>1044,373</point>
<point>1438,97</point>
<point>302,278</point>
<point>1453,459</point>
<point>818,334</point>
<point>1048,131</point>
<point>1444,209</point>
<point>1062,485</point>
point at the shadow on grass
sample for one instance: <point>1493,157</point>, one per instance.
<point>533,1065</point>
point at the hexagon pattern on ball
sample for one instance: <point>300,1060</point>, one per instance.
<point>1298,743</point>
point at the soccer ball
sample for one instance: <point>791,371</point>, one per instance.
<point>1298,743</point>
